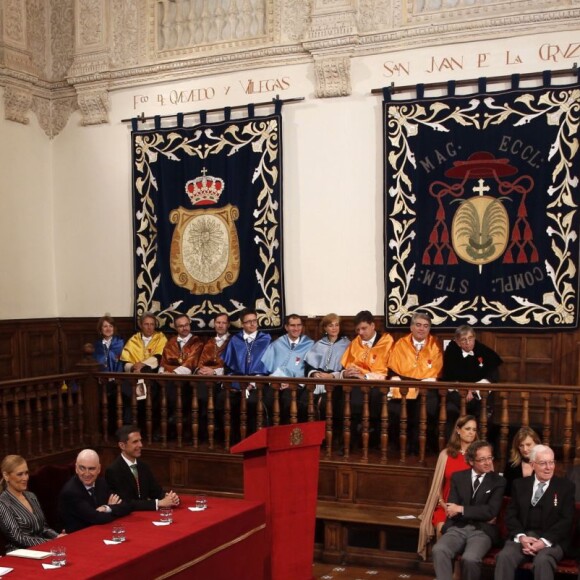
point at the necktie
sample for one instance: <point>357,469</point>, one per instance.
<point>466,354</point>
<point>539,493</point>
<point>135,473</point>
<point>293,346</point>
<point>476,484</point>
<point>91,491</point>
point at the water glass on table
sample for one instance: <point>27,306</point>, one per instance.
<point>201,501</point>
<point>166,515</point>
<point>58,556</point>
<point>118,533</point>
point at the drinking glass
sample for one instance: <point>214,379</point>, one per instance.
<point>58,556</point>
<point>166,515</point>
<point>118,533</point>
<point>201,501</point>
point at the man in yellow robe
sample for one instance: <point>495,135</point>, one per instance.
<point>143,350</point>
<point>417,356</point>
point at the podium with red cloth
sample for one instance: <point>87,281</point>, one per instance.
<point>281,470</point>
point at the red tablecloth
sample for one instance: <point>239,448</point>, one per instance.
<point>225,541</point>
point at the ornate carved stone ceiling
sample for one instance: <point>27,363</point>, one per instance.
<point>57,56</point>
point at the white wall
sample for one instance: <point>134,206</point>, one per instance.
<point>332,185</point>
<point>27,265</point>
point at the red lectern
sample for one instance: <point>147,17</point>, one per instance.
<point>281,469</point>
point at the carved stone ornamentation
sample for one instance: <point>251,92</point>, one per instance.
<point>94,106</point>
<point>61,38</point>
<point>332,38</point>
<point>375,15</point>
<point>14,23</point>
<point>53,114</point>
<point>332,76</point>
<point>332,19</point>
<point>55,49</point>
<point>17,102</point>
<point>36,17</point>
<point>91,23</point>
<point>125,32</point>
<point>292,18</point>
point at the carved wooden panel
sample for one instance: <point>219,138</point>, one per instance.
<point>327,483</point>
<point>9,354</point>
<point>346,481</point>
<point>219,474</point>
<point>376,486</point>
<point>75,334</point>
<point>39,348</point>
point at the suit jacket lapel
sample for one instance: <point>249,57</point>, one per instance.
<point>526,500</point>
<point>467,487</point>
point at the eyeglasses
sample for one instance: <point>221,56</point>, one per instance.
<point>545,463</point>
<point>484,459</point>
<point>253,321</point>
<point>466,339</point>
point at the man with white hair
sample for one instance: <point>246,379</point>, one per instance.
<point>416,357</point>
<point>86,500</point>
<point>539,519</point>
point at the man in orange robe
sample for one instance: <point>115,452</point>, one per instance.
<point>417,356</point>
<point>366,357</point>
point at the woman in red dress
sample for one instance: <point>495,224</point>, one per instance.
<point>450,460</point>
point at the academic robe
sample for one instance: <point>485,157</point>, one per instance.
<point>483,364</point>
<point>174,357</point>
<point>407,363</point>
<point>283,361</point>
<point>211,355</point>
<point>374,360</point>
<point>241,358</point>
<point>135,350</point>
<point>325,356</point>
<point>110,361</point>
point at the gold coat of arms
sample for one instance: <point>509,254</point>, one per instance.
<point>205,251</point>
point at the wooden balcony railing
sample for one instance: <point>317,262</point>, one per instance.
<point>52,414</point>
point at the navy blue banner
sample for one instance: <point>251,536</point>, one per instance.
<point>481,216</point>
<point>208,220</point>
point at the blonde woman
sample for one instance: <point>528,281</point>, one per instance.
<point>21,518</point>
<point>518,464</point>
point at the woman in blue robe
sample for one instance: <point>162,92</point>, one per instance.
<point>109,346</point>
<point>323,361</point>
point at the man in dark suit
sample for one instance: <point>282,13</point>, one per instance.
<point>539,519</point>
<point>133,480</point>
<point>85,500</point>
<point>474,501</point>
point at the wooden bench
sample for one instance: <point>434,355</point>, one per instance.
<point>390,539</point>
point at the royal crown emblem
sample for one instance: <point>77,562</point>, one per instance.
<point>205,189</point>
<point>205,251</point>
